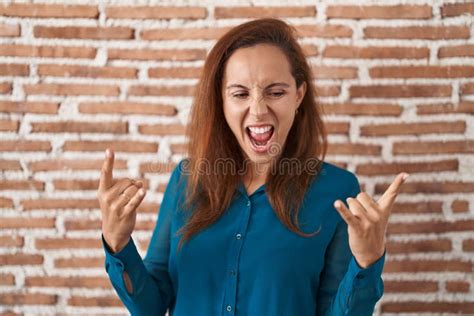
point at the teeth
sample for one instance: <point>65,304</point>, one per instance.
<point>260,130</point>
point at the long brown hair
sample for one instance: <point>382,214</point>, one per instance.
<point>209,193</point>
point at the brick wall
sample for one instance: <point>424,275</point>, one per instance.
<point>396,83</point>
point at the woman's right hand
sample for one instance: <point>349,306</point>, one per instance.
<point>118,202</point>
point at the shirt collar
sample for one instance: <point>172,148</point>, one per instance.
<point>241,189</point>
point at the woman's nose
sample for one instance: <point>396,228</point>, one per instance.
<point>258,107</point>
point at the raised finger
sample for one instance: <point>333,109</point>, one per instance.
<point>370,206</point>
<point>134,201</point>
<point>123,198</point>
<point>385,202</point>
<point>346,214</point>
<point>121,186</point>
<point>357,209</point>
<point>105,181</point>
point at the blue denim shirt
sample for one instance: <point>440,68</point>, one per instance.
<point>248,262</point>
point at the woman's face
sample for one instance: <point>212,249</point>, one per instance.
<point>260,99</point>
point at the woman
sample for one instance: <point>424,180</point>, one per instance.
<point>248,223</point>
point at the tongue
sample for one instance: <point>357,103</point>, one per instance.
<point>262,138</point>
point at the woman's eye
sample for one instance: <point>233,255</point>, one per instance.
<point>277,94</point>
<point>240,95</point>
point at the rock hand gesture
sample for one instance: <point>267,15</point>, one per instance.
<point>118,202</point>
<point>367,222</point>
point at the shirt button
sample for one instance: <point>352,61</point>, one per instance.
<point>229,308</point>
<point>232,272</point>
<point>238,236</point>
<point>359,276</point>
<point>248,203</point>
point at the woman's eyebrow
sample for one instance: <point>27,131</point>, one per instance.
<point>269,86</point>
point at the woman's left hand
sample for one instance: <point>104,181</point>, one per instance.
<point>367,222</point>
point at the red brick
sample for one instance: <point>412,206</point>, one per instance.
<point>47,51</point>
<point>10,165</point>
<point>20,259</point>
<point>326,72</point>
<point>460,206</point>
<point>310,50</point>
<point>357,109</point>
<point>467,88</point>
<point>162,129</point>
<point>419,246</point>
<point>154,90</point>
<point>79,127</point>
<point>457,286</point>
<point>353,149</point>
<point>11,241</point>
<point>7,279</point>
<point>55,204</point>
<point>6,202</point>
<point>87,71</point>
<point>455,9</point>
<point>420,265</point>
<point>83,32</point>
<point>433,147</point>
<point>430,227</point>
<point>418,32</point>
<point>29,184</point>
<point>127,107</point>
<point>466,50</point>
<point>9,298</point>
<point>14,70</point>
<point>9,30</point>
<point>375,169</point>
<point>263,11</point>
<point>157,54</point>
<point>379,12</point>
<point>9,125</point>
<point>327,90</point>
<point>118,146</point>
<point>25,145</point>
<point>69,282</point>
<point>21,222</point>
<point>79,262</point>
<point>418,128</point>
<point>72,164</point>
<point>178,148</point>
<point>32,10</point>
<point>324,31</point>
<point>426,307</point>
<point>421,71</point>
<point>204,33</point>
<point>410,286</point>
<point>400,91</point>
<point>418,207</point>
<point>71,89</point>
<point>96,301</point>
<point>461,107</point>
<point>175,72</point>
<point>6,87</point>
<point>468,245</point>
<point>338,128</point>
<point>155,12</point>
<point>67,243</point>
<point>376,52</point>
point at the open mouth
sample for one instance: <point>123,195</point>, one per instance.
<point>260,137</point>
